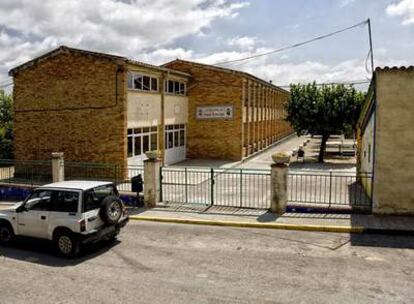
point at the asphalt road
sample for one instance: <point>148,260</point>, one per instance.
<point>171,263</point>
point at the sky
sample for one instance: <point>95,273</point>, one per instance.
<point>212,31</point>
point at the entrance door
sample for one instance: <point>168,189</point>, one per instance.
<point>174,143</point>
<point>141,140</point>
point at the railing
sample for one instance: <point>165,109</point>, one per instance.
<point>132,171</point>
<point>332,189</point>
<point>245,188</point>
<point>39,172</point>
<point>26,172</point>
<point>91,171</point>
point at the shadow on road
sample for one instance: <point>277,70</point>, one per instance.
<point>381,240</point>
<point>44,253</point>
<point>326,166</point>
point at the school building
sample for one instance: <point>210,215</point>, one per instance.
<point>103,108</point>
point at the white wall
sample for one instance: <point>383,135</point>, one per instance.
<point>367,153</point>
<point>144,109</point>
<point>176,109</point>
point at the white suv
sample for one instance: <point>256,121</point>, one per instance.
<point>70,213</point>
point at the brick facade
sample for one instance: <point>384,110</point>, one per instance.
<point>257,118</point>
<point>76,102</point>
<point>73,103</point>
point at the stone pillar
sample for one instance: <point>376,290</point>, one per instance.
<point>58,167</point>
<point>152,179</point>
<point>278,189</point>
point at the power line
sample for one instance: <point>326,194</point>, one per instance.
<point>5,81</point>
<point>294,45</point>
<point>5,85</point>
<point>353,82</point>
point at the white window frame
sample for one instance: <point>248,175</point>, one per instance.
<point>180,83</point>
<point>141,134</point>
<point>135,75</point>
<point>173,129</point>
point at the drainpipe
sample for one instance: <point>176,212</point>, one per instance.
<point>161,132</point>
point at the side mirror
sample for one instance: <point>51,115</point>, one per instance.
<point>21,208</point>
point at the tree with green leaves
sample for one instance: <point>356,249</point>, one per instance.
<point>6,125</point>
<point>323,110</point>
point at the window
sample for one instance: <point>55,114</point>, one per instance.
<point>93,198</point>
<point>130,151</point>
<point>154,141</point>
<point>174,136</point>
<point>170,86</point>
<point>65,201</point>
<point>175,87</point>
<point>145,143</point>
<point>176,139</point>
<point>138,82</point>
<point>40,200</point>
<point>141,82</point>
<point>146,83</point>
<point>141,140</point>
<point>154,84</point>
<point>170,140</point>
<point>182,138</point>
<point>137,146</point>
<point>369,153</point>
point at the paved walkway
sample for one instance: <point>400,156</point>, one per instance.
<point>294,221</point>
<point>260,160</point>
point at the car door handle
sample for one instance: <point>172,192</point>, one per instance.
<point>43,217</point>
<point>91,219</point>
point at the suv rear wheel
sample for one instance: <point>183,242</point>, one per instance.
<point>66,243</point>
<point>6,233</point>
<point>111,210</point>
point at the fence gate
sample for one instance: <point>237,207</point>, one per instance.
<point>243,188</point>
<point>330,189</point>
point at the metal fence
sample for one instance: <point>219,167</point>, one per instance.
<point>331,189</point>
<point>245,188</point>
<point>39,172</point>
<point>124,184</point>
<point>91,171</point>
<point>28,172</point>
<point>235,187</point>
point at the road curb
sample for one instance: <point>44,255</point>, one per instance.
<point>285,226</point>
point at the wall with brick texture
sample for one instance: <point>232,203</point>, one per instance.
<point>254,126</point>
<point>218,138</point>
<point>72,103</point>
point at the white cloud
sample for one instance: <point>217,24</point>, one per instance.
<point>121,27</point>
<point>283,72</point>
<point>161,56</point>
<point>346,2</point>
<point>244,42</point>
<point>404,9</point>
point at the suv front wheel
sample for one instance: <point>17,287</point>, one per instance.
<point>6,233</point>
<point>66,243</point>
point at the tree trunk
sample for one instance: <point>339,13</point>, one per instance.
<point>322,148</point>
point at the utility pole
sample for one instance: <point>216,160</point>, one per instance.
<point>370,44</point>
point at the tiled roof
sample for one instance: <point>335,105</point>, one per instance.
<point>395,68</point>
<point>115,58</point>
<point>227,70</point>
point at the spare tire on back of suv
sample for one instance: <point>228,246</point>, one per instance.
<point>111,210</point>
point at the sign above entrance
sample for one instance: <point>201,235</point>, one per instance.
<point>215,112</point>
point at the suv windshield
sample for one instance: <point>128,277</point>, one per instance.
<point>93,198</point>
